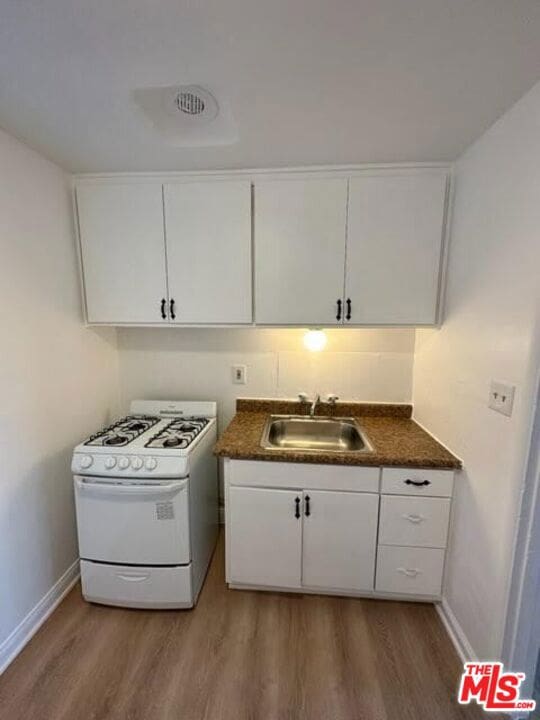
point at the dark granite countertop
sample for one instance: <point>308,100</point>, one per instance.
<point>397,440</point>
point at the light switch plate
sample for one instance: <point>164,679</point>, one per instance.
<point>501,397</point>
<point>239,374</point>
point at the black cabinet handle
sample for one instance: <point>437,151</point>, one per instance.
<point>171,305</point>
<point>348,315</point>
<point>338,316</point>
<point>308,509</point>
<point>297,508</point>
<point>163,304</point>
<point>417,483</point>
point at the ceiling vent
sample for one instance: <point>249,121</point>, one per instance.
<point>187,115</point>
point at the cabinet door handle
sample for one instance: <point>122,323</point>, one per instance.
<point>171,305</point>
<point>297,507</point>
<point>163,304</point>
<point>308,509</point>
<point>409,572</point>
<point>348,315</point>
<point>338,315</point>
<point>414,518</point>
<point>417,483</point>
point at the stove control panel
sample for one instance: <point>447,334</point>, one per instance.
<point>108,465</point>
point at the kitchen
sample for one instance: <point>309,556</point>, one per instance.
<point>345,327</point>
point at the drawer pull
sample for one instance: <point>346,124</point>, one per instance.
<point>417,483</point>
<point>414,518</point>
<point>409,572</point>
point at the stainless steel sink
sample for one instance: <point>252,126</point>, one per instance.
<point>319,434</point>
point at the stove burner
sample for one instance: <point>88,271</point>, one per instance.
<point>172,442</point>
<point>116,440</point>
<point>137,427</point>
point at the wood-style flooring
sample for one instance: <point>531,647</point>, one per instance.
<point>238,656</point>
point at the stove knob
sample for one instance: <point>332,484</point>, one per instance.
<point>110,462</point>
<point>137,463</point>
<point>86,461</point>
<point>123,463</point>
<point>151,463</point>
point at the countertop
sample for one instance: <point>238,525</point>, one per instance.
<point>396,439</point>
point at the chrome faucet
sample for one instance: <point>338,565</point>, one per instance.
<point>305,401</point>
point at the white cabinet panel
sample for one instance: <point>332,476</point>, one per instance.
<point>258,473</point>
<point>208,232</point>
<point>299,250</point>
<point>265,537</point>
<point>394,236</point>
<point>419,521</point>
<point>411,571</point>
<point>340,535</point>
<point>123,251</point>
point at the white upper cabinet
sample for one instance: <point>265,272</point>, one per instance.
<point>394,237</point>
<point>208,236</point>
<point>319,249</point>
<point>299,250</point>
<point>122,251</point>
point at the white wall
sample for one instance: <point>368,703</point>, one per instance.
<point>491,331</point>
<point>370,365</point>
<point>57,380</point>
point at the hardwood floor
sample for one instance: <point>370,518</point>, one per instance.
<point>238,656</point>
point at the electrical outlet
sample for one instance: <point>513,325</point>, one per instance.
<point>501,397</point>
<point>239,374</point>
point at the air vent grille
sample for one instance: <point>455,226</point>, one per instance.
<point>189,103</point>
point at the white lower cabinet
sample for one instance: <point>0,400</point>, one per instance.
<point>265,537</point>
<point>286,529</point>
<point>340,537</point>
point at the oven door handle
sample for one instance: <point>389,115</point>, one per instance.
<point>107,488</point>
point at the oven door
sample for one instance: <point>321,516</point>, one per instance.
<point>133,523</point>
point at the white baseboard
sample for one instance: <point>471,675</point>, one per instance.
<point>456,633</point>
<point>28,627</point>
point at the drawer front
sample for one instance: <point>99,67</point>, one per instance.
<point>417,521</point>
<point>137,586</point>
<point>412,481</point>
<point>284,475</point>
<point>409,571</point>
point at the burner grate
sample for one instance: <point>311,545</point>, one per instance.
<point>123,431</point>
<point>178,434</point>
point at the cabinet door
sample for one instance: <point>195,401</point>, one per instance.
<point>123,251</point>
<point>394,236</point>
<point>299,251</point>
<point>340,537</point>
<point>265,537</point>
<point>208,231</point>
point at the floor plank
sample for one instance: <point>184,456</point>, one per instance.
<point>238,656</point>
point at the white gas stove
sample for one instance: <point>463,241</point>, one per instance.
<point>147,507</point>
<point>153,441</point>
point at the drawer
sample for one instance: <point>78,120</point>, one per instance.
<point>418,521</point>
<point>256,473</point>
<point>409,571</point>
<point>137,586</point>
<point>413,481</point>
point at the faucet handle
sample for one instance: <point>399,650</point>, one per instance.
<point>332,399</point>
<point>303,397</point>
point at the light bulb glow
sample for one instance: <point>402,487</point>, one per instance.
<point>315,340</point>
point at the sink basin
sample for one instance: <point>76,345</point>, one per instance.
<point>320,434</point>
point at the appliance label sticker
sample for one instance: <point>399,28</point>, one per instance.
<point>165,510</point>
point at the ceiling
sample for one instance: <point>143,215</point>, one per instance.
<point>307,81</point>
